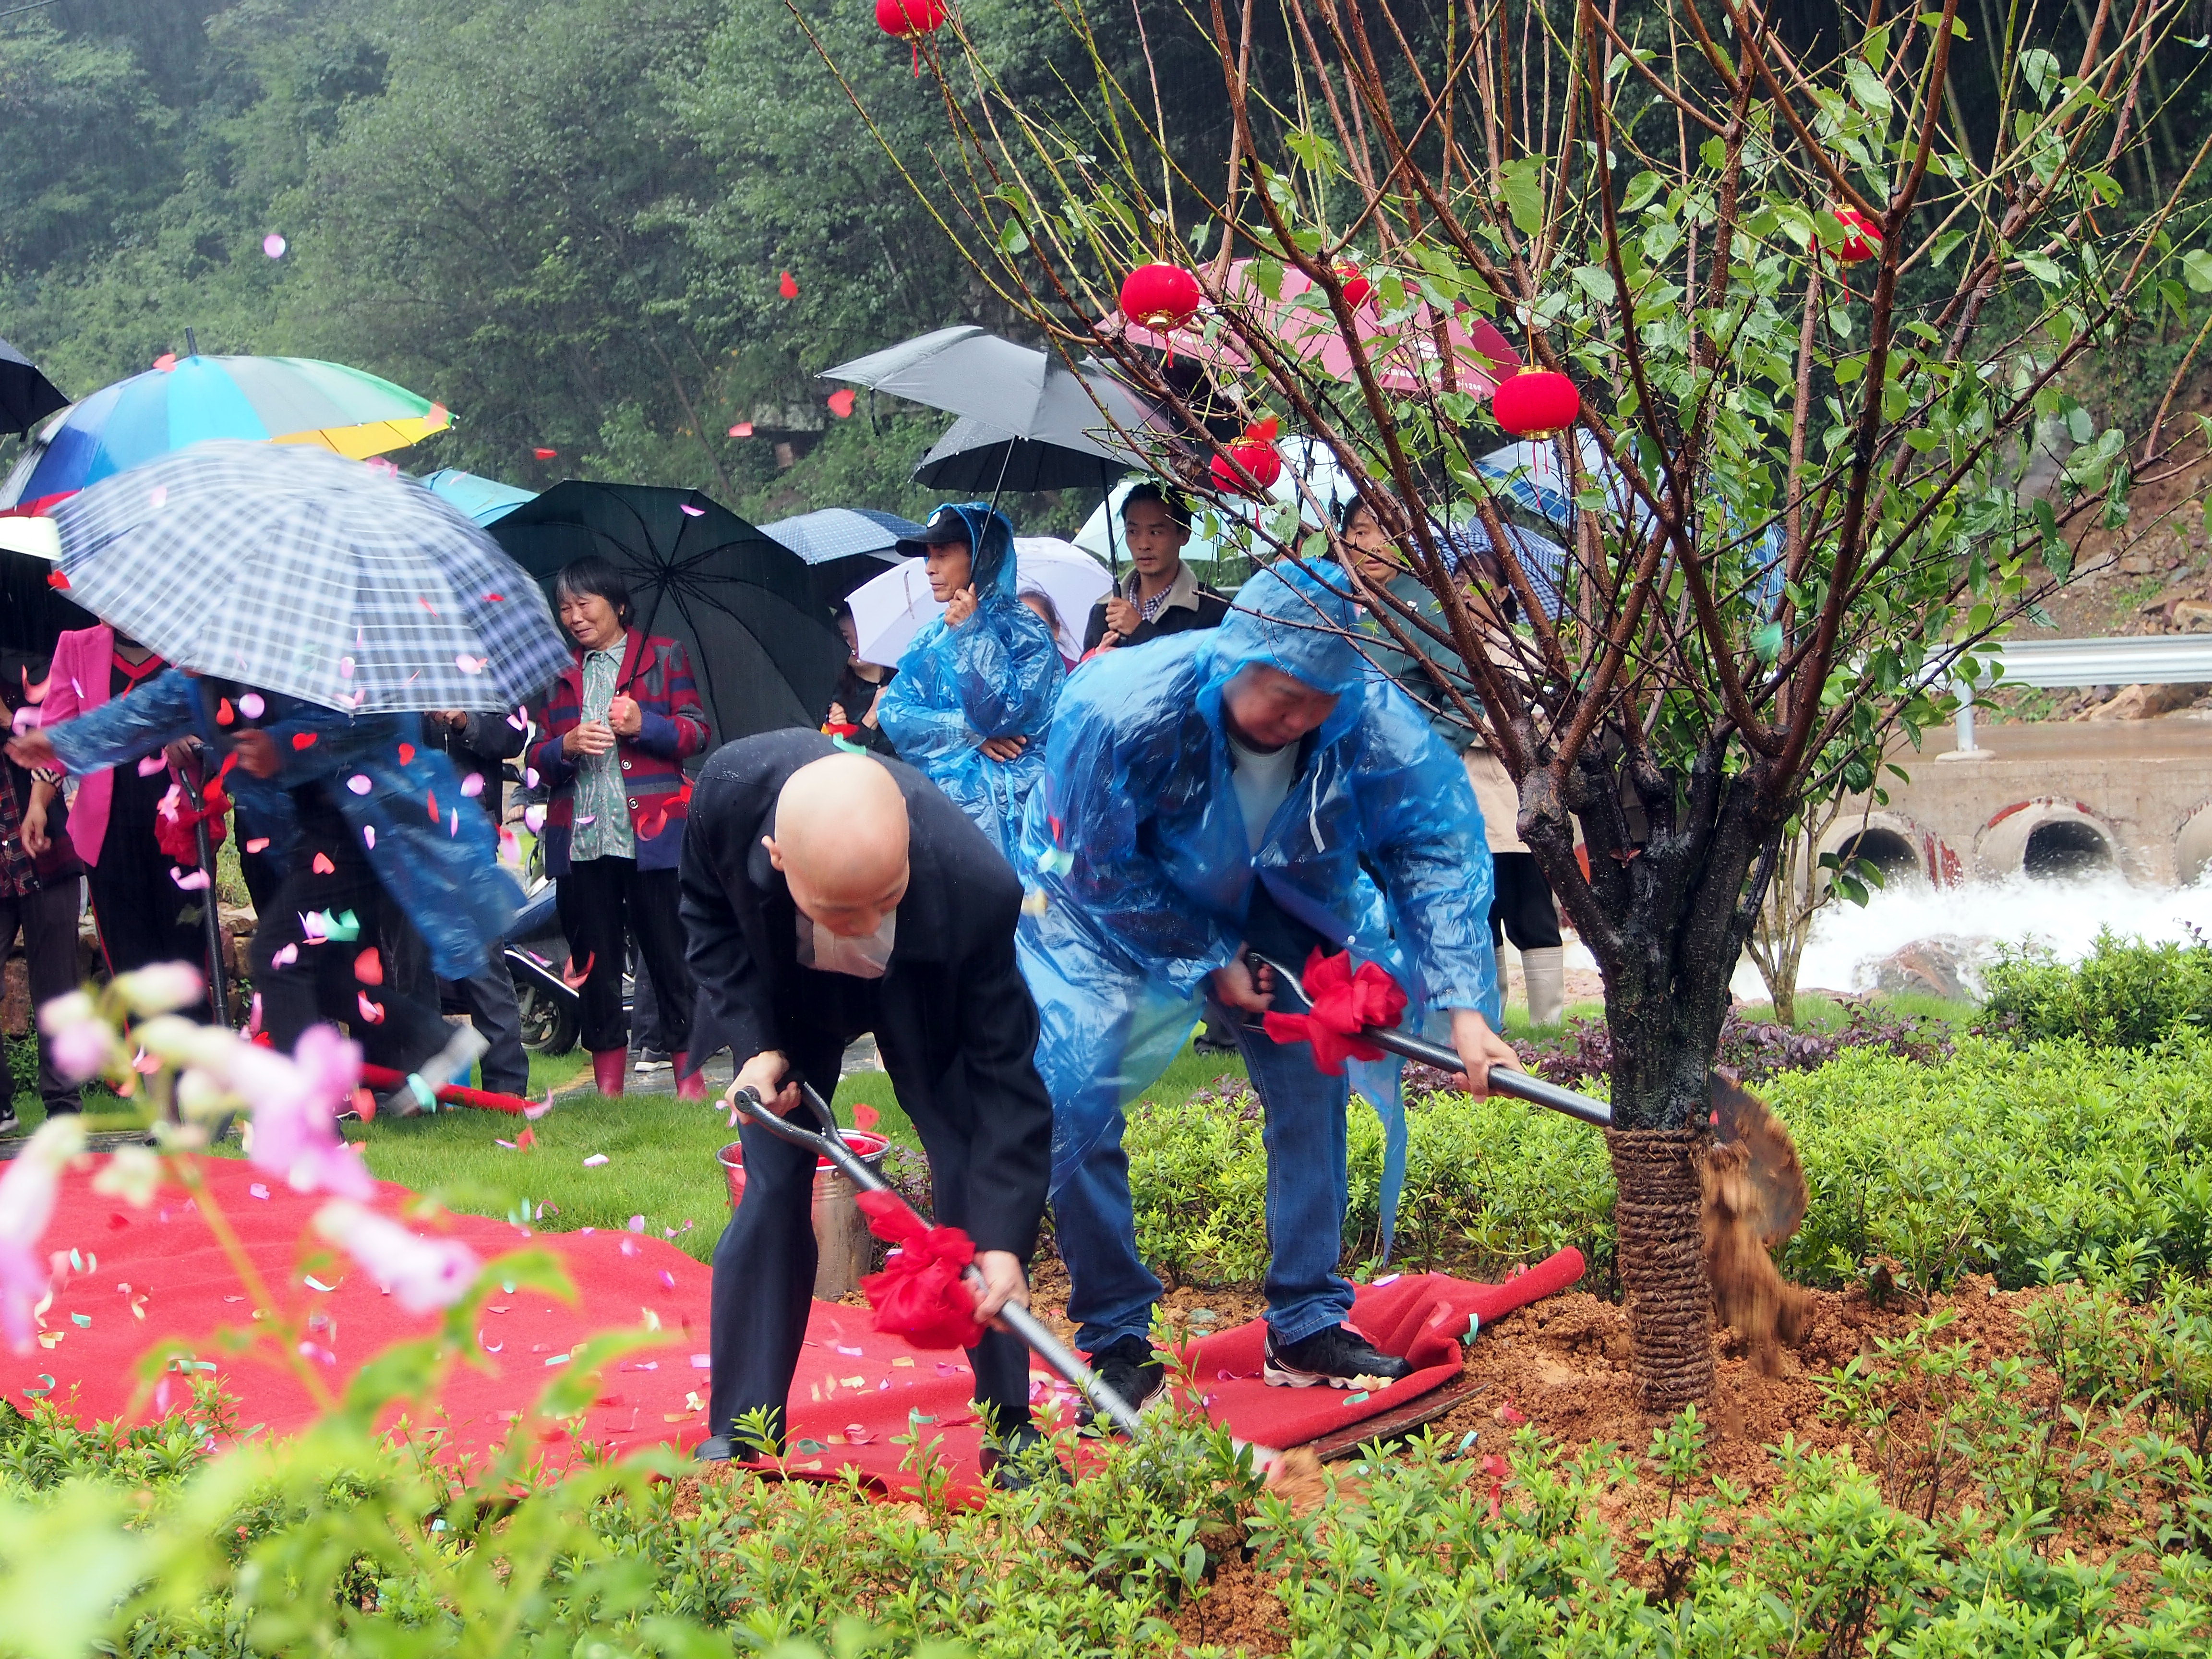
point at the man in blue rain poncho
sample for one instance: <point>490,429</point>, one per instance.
<point>975,690</point>
<point>1215,793</point>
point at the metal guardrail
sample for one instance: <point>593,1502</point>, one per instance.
<point>2130,660</point>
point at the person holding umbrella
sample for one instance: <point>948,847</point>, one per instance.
<point>314,606</point>
<point>622,719</point>
<point>975,690</point>
<point>1161,595</point>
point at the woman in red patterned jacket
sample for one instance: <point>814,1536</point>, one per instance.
<point>619,726</point>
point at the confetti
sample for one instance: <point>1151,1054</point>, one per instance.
<point>151,765</point>
<point>370,1011</point>
<point>472,785</point>
<point>359,783</point>
<point>596,1161</point>
<point>854,1353</point>
<point>368,836</point>
<point>223,712</point>
<point>274,245</point>
<point>527,1142</point>
<point>315,1284</point>
<point>533,817</point>
<point>533,1113</point>
<point>346,665</point>
<point>702,1362</point>
<point>251,706</point>
<point>433,805</point>
<point>344,929</point>
<point>258,1190</point>
<point>56,579</point>
<point>840,404</point>
<point>667,1279</point>
<point>787,285</point>
<point>368,967</point>
<point>690,510</point>
<point>82,1322</point>
<point>546,455</point>
<point>285,957</point>
<point>195,881</point>
<point>636,1224</point>
<point>742,429</point>
<point>323,866</point>
<point>303,740</point>
<point>469,664</point>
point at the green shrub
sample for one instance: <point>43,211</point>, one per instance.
<point>2125,994</point>
<point>1985,1162</point>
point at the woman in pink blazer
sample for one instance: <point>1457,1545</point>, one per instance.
<point>144,916</point>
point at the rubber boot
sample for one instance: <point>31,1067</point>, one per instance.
<point>609,1067</point>
<point>691,1085</point>
<point>1545,971</point>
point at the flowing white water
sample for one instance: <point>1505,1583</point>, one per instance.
<point>2062,915</point>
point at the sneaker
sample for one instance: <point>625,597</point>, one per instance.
<point>652,1059</point>
<point>1336,1355</point>
<point>1127,1367</point>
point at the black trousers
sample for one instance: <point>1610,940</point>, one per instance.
<point>603,902</point>
<point>764,1274</point>
<point>1521,905</point>
<point>488,995</point>
<point>144,917</point>
<point>320,980</point>
<point>47,920</point>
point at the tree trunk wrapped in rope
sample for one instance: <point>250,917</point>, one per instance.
<point>1662,1269</point>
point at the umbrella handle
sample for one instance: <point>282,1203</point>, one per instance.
<point>1018,1319</point>
<point>1504,1079</point>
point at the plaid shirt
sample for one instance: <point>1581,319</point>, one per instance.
<point>19,876</point>
<point>657,673</point>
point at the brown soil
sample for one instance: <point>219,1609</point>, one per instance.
<point>1239,1611</point>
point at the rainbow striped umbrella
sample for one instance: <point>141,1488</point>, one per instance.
<point>182,400</point>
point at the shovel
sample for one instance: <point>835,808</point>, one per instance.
<point>830,1144</point>
<point>1777,1194</point>
<point>1503,1080</point>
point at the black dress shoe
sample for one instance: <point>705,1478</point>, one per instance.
<point>1015,1463</point>
<point>1336,1355</point>
<point>715,1449</point>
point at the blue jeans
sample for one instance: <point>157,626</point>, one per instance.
<point>1111,1291</point>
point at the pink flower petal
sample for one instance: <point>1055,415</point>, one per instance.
<point>250,706</point>
<point>151,765</point>
<point>472,785</point>
<point>359,783</point>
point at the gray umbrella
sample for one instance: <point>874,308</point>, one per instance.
<point>299,571</point>
<point>1016,390</point>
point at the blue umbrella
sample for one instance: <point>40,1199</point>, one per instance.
<point>485,500</point>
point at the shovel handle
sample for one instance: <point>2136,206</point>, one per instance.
<point>1019,1319</point>
<point>1504,1079</point>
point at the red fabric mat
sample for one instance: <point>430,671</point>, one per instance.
<point>854,1392</point>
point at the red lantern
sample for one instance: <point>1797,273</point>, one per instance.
<point>908,20</point>
<point>1252,464</point>
<point>1536,404</point>
<point>1861,236</point>
<point>1357,290</point>
<point>1163,298</point>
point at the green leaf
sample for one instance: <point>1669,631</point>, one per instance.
<point>2197,269</point>
<point>2042,269</point>
<point>1522,182</point>
<point>1596,281</point>
<point>2042,72</point>
<point>1944,246</point>
<point>1766,644</point>
<point>1012,238</point>
<point>1641,189</point>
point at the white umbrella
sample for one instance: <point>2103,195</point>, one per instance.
<point>890,609</point>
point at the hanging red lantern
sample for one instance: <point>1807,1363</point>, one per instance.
<point>1861,236</point>
<point>1358,289</point>
<point>1252,464</point>
<point>908,20</point>
<point>1163,298</point>
<point>1535,404</point>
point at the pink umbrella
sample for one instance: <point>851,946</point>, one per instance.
<point>1405,354</point>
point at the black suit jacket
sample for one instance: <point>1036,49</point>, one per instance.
<point>953,1019</point>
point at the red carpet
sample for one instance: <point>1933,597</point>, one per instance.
<point>151,1274</point>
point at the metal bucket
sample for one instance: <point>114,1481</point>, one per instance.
<point>841,1232</point>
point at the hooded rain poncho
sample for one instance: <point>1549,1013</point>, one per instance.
<point>1141,872</point>
<point>997,675</point>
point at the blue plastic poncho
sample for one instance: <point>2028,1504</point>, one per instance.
<point>1141,873</point>
<point>997,675</point>
<point>442,868</point>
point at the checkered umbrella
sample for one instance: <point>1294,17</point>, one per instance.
<point>297,571</point>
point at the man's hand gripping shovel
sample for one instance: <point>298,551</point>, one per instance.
<point>828,1143</point>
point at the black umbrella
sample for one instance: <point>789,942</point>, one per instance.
<point>763,651</point>
<point>987,459</point>
<point>27,395</point>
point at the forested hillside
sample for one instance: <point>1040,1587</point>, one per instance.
<point>570,219</point>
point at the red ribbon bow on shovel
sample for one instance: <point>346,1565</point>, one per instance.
<point>920,1295</point>
<point>1345,1003</point>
